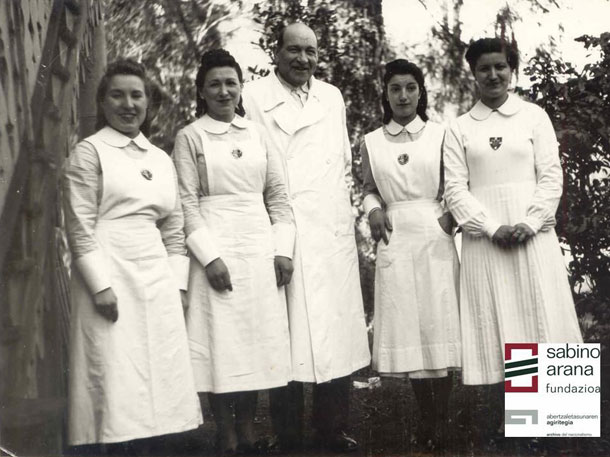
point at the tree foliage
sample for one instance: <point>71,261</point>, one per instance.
<point>168,37</point>
<point>443,60</point>
<point>579,106</point>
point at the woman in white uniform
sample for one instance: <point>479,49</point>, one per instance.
<point>130,372</point>
<point>240,234</point>
<point>416,320</point>
<point>503,185</point>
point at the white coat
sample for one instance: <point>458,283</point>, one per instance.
<point>327,325</point>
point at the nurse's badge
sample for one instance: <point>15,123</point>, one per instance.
<point>495,142</point>
<point>236,153</point>
<point>403,158</point>
<point>147,174</point>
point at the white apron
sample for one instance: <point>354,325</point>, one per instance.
<point>131,379</point>
<point>239,339</point>
<point>416,323</point>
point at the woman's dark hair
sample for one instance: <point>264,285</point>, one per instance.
<point>213,59</point>
<point>487,45</point>
<point>121,67</point>
<point>404,67</point>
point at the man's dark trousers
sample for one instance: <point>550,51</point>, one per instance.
<point>330,410</point>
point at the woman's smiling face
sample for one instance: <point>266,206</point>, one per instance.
<point>221,91</point>
<point>125,103</point>
<point>492,74</point>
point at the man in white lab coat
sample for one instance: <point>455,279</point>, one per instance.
<point>305,121</point>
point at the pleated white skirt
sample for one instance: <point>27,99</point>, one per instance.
<point>516,295</point>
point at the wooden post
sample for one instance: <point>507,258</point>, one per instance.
<point>94,68</point>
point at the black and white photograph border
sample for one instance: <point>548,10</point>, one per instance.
<point>53,54</point>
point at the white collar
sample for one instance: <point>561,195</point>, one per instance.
<point>480,111</point>
<point>279,93</point>
<point>216,127</point>
<point>415,126</point>
<point>115,138</point>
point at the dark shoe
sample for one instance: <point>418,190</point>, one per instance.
<point>223,449</point>
<point>423,437</point>
<point>339,442</point>
<point>268,445</point>
<point>275,445</point>
<point>262,446</point>
<point>229,452</point>
<point>245,449</point>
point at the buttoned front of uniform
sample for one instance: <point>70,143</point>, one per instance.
<point>327,325</point>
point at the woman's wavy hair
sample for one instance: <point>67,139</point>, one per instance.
<point>121,67</point>
<point>488,45</point>
<point>404,67</point>
<point>213,59</point>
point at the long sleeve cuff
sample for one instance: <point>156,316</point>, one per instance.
<point>203,246</point>
<point>490,227</point>
<point>371,201</point>
<point>533,222</point>
<point>94,270</point>
<point>179,265</point>
<point>284,235</point>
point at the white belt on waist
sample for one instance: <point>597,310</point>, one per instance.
<point>127,222</point>
<point>409,203</point>
<point>246,197</point>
